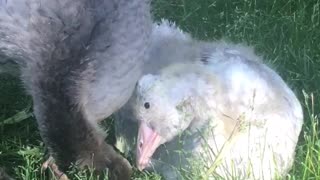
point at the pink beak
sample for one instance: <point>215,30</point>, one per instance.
<point>148,142</point>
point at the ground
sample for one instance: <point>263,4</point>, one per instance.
<point>285,32</point>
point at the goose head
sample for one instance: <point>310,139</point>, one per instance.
<point>161,111</point>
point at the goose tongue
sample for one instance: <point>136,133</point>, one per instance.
<point>148,142</point>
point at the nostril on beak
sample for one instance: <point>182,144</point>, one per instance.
<point>140,145</point>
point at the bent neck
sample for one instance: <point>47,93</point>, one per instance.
<point>186,83</point>
<point>190,92</point>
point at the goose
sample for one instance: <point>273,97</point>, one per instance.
<point>80,61</point>
<point>219,113</point>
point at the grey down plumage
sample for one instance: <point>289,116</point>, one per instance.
<point>213,110</point>
<point>79,60</point>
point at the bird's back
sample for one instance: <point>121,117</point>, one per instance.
<point>254,108</point>
<point>96,48</point>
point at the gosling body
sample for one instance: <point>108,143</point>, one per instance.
<point>223,112</point>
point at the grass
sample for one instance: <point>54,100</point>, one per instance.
<point>285,32</point>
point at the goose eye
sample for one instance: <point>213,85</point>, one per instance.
<point>147,105</point>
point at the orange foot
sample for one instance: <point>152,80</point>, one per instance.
<point>49,163</point>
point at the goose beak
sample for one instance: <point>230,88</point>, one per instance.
<point>148,142</point>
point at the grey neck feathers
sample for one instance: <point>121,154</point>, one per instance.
<point>166,50</point>
<point>119,53</point>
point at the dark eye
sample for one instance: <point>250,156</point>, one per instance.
<point>147,105</point>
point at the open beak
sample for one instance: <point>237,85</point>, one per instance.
<point>148,142</point>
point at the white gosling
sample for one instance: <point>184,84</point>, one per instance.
<point>224,114</point>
